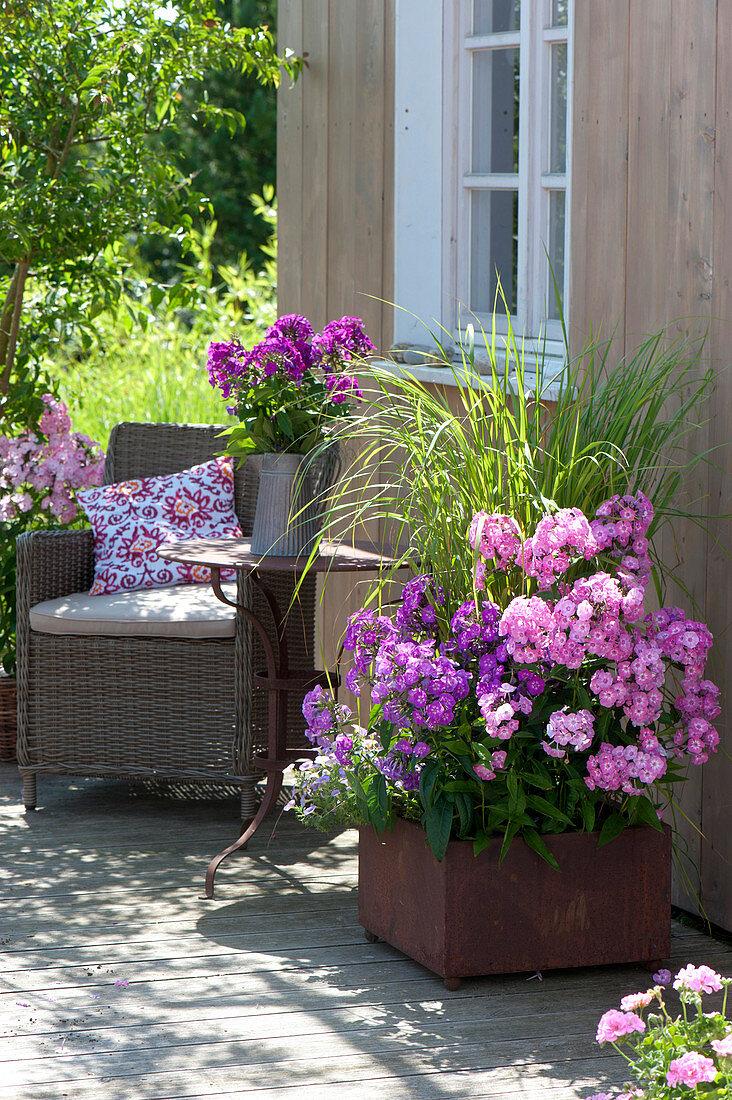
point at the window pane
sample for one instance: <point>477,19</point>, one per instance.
<point>493,231</point>
<point>558,140</point>
<point>560,13</point>
<point>495,111</point>
<point>496,15</point>
<point>556,251</point>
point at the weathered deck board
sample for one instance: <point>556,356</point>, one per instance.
<point>118,980</point>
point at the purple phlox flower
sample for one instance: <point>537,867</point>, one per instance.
<point>417,615</point>
<point>276,356</point>
<point>473,633</point>
<point>341,342</point>
<point>226,365</point>
<point>293,326</point>
<point>662,977</point>
<point>341,386</point>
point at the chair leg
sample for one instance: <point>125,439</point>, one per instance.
<point>250,799</point>
<point>29,790</point>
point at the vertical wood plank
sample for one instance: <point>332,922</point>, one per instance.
<point>599,169</point>
<point>341,166</point>
<point>289,164</point>
<point>649,71</point>
<point>690,224</point>
<point>315,182</point>
<point>369,137</point>
<point>717,781</point>
<point>386,337</point>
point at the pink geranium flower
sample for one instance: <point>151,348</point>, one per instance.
<point>698,979</point>
<point>691,1069</point>
<point>723,1047</point>
<point>614,1025</point>
<point>637,1000</point>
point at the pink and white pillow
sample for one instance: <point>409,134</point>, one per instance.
<point>131,519</point>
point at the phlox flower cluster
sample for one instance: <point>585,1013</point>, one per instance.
<point>292,367</point>
<point>560,539</point>
<point>672,1054</point>
<point>417,613</point>
<point>596,624</point>
<point>620,527</point>
<point>497,540</point>
<point>624,767</point>
<point>567,679</point>
<point>45,468</point>
<point>569,730</point>
<point>417,686</point>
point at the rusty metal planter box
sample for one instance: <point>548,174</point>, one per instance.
<point>468,915</point>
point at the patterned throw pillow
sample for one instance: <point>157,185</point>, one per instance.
<point>131,519</point>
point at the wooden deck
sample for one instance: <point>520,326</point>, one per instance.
<point>119,982</point>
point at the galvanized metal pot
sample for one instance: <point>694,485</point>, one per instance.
<point>291,502</point>
<point>470,915</point>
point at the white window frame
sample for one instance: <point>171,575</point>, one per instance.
<point>533,39</point>
<point>431,154</point>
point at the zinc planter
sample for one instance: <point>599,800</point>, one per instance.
<point>291,505</point>
<point>468,916</point>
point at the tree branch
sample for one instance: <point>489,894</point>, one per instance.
<point>21,272</point>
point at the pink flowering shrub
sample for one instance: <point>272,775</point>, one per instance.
<point>673,1058</point>
<point>40,471</point>
<point>552,709</point>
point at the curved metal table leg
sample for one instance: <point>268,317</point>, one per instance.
<point>271,791</point>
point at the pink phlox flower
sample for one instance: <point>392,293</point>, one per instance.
<point>575,729</point>
<point>637,1000</point>
<point>614,1025</point>
<point>484,773</point>
<point>723,1046</point>
<point>698,979</point>
<point>527,624</point>
<point>691,1069</point>
<point>497,540</point>
<point>559,540</point>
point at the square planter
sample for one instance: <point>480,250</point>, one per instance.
<point>469,916</point>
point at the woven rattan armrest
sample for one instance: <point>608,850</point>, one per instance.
<point>52,564</point>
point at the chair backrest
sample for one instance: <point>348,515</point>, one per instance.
<point>146,450</point>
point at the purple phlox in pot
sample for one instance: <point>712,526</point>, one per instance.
<point>287,391</point>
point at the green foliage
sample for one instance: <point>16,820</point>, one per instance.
<point>600,425</point>
<point>149,363</point>
<point>225,170</point>
<point>88,92</point>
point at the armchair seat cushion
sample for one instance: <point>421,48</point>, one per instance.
<point>176,611</point>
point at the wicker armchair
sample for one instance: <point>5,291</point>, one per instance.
<point>158,708</point>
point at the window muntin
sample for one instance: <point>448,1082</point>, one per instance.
<point>513,155</point>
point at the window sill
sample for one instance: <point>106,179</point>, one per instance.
<point>418,363</point>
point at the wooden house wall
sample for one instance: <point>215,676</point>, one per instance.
<point>335,185</point>
<point>651,246</point>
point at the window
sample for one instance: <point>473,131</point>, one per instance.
<point>482,162</point>
<point>511,158</point>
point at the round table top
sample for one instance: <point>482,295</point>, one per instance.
<point>235,553</point>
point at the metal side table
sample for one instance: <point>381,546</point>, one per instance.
<point>278,678</point>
